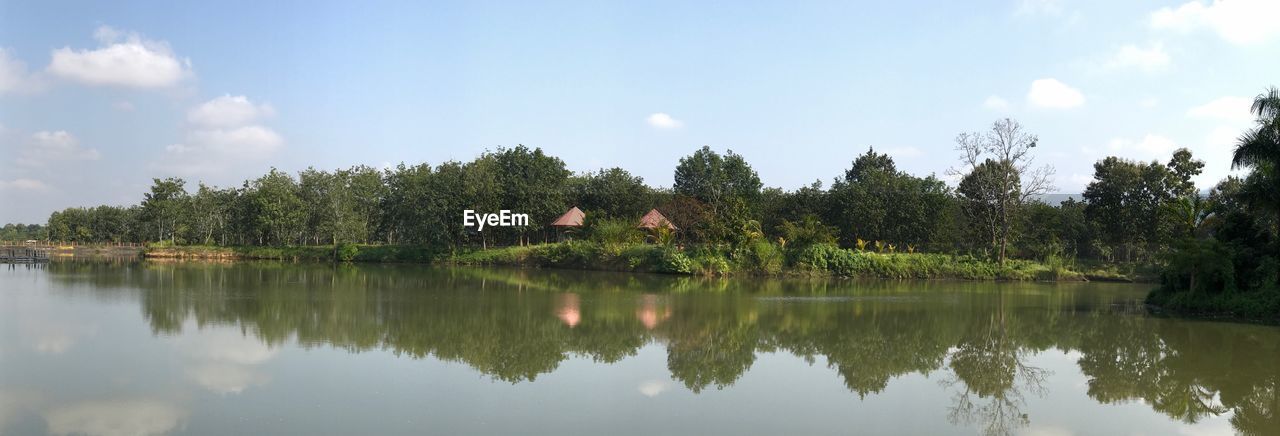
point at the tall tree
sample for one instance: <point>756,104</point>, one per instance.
<point>1259,150</point>
<point>279,212</point>
<point>163,207</point>
<point>1126,200</point>
<point>532,183</point>
<point>875,201</point>
<point>713,179</point>
<point>613,192</point>
<point>727,186</point>
<point>999,164</point>
<point>1182,168</point>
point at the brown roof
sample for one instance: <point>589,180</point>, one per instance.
<point>572,218</point>
<point>654,219</point>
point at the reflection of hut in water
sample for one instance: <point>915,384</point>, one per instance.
<point>571,220</point>
<point>568,310</point>
<point>650,314</point>
<point>655,219</point>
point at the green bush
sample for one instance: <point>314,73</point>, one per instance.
<point>671,260</point>
<point>613,234</point>
<point>346,252</point>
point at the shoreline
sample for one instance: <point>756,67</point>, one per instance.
<point>818,261</point>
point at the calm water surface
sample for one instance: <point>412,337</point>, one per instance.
<point>124,348</point>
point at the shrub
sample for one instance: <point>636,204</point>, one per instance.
<point>346,252</point>
<point>671,260</point>
<point>759,256</point>
<point>613,234</point>
<point>808,231</point>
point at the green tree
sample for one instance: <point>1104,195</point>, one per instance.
<point>713,179</point>
<point>1126,200</point>
<point>875,201</point>
<point>727,185</point>
<point>1182,168</point>
<point>613,192</point>
<point>998,164</point>
<point>532,183</point>
<point>163,207</point>
<point>1259,149</point>
<point>279,213</point>
<point>987,192</point>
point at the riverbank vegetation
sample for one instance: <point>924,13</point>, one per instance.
<point>1228,261</point>
<point>1132,217</point>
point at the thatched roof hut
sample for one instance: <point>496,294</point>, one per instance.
<point>572,218</point>
<point>655,219</point>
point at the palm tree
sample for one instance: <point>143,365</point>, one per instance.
<point>1259,149</point>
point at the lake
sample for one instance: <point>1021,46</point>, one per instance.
<point>129,347</point>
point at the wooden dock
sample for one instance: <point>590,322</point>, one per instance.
<point>23,255</point>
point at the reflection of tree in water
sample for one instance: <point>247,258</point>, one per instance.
<point>515,325</point>
<point>1186,370</point>
<point>1257,412</point>
<point>713,342</point>
<point>990,373</point>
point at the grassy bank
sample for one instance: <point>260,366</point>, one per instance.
<point>347,252</point>
<point>761,258</point>
<point>766,259</point>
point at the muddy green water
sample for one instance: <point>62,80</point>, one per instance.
<point>125,348</point>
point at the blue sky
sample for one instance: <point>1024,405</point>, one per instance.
<point>96,99</point>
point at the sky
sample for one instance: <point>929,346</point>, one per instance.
<point>98,98</point>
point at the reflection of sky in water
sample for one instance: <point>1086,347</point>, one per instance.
<point>73,364</point>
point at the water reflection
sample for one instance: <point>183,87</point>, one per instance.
<point>514,326</point>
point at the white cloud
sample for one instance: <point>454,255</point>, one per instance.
<point>1225,108</point>
<point>228,111</point>
<point>652,388</point>
<point>45,147</point>
<point>123,106</point>
<point>13,74</point>
<point>1050,93</point>
<point>663,121</point>
<point>225,361</point>
<point>1149,102</point>
<point>994,102</point>
<point>122,59</point>
<point>1131,56</point>
<point>223,379</point>
<point>224,132</point>
<point>115,418</point>
<point>1236,21</point>
<point>23,185</point>
<point>250,142</point>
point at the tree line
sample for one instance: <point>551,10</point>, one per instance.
<point>1131,211</point>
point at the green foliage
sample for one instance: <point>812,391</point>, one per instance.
<point>1127,201</point>
<point>875,200</point>
<point>807,232</point>
<point>671,260</point>
<point>988,196</point>
<point>162,207</point>
<point>612,193</point>
<point>346,251</point>
<point>711,178</point>
<point>825,258</point>
<point>23,232</point>
<point>761,257</point>
<point>612,233</point>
